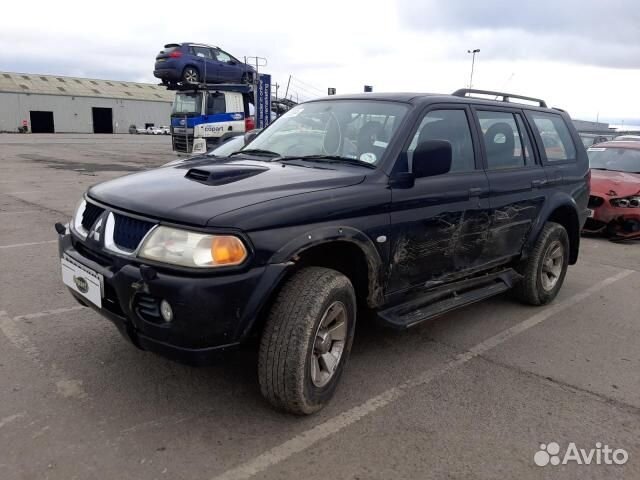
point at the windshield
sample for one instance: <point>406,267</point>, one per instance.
<point>353,129</point>
<point>617,159</point>
<point>187,103</point>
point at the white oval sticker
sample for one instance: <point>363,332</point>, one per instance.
<point>368,157</point>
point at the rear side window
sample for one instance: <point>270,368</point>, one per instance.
<point>506,141</point>
<point>556,139</point>
<point>452,126</point>
<point>202,52</point>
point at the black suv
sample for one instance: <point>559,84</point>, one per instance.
<point>404,206</point>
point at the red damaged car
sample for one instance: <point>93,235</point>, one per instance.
<point>615,190</point>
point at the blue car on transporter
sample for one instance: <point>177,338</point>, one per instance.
<point>198,63</point>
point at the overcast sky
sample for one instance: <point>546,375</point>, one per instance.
<point>583,56</point>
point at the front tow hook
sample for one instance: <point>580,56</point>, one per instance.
<point>61,229</point>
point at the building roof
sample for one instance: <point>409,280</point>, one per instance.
<point>82,87</point>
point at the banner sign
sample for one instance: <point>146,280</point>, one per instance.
<point>263,101</point>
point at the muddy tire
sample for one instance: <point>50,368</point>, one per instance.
<point>307,340</point>
<point>544,271</point>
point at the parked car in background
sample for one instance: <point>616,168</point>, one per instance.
<point>132,129</point>
<point>143,130</point>
<point>199,63</point>
<point>615,190</point>
<point>159,130</point>
<point>628,138</point>
<point>589,139</point>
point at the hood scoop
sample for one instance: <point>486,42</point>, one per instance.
<point>223,174</point>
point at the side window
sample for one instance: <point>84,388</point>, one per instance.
<point>221,56</point>
<point>555,136</point>
<point>202,52</point>
<point>216,104</point>
<point>449,125</point>
<point>502,140</point>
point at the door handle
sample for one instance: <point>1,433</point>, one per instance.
<point>475,191</point>
<point>537,183</point>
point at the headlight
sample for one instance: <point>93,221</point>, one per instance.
<point>627,202</point>
<point>76,220</point>
<point>192,249</point>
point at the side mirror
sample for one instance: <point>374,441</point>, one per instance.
<point>432,157</point>
<point>251,134</point>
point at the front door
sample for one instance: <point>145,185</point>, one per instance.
<point>440,223</point>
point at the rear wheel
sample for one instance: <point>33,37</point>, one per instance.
<point>546,267</point>
<point>307,340</point>
<point>191,75</point>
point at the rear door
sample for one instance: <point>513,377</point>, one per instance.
<point>440,223</point>
<point>517,180</point>
<point>206,63</point>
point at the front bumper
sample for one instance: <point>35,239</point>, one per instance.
<point>617,221</point>
<point>211,313</point>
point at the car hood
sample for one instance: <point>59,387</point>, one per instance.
<point>606,183</point>
<point>195,192</point>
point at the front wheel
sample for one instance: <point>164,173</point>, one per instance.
<point>307,340</point>
<point>545,269</point>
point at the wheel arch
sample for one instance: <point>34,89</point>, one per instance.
<point>562,210</point>
<point>345,249</point>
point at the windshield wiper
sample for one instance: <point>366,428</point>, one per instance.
<point>332,159</point>
<point>256,151</point>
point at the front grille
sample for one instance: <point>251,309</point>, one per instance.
<point>183,143</point>
<point>90,215</point>
<point>595,202</point>
<point>128,232</point>
<point>92,255</point>
<point>148,308</point>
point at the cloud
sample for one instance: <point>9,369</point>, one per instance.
<point>590,32</point>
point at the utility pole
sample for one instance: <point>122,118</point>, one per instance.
<point>473,62</point>
<point>287,90</point>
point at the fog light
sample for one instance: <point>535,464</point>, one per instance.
<point>165,311</point>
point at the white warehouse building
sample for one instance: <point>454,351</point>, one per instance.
<point>58,104</point>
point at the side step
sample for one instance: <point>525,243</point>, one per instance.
<point>443,299</point>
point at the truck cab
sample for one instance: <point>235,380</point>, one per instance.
<point>203,117</point>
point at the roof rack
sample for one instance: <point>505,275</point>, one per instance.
<point>506,97</point>
<point>219,87</point>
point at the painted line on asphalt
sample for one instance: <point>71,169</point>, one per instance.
<point>20,212</point>
<point>324,430</point>
<point>4,421</point>
<point>29,244</point>
<point>46,313</point>
<point>65,386</point>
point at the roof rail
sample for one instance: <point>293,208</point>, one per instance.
<point>219,87</point>
<point>506,97</point>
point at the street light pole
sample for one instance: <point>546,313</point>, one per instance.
<point>473,61</point>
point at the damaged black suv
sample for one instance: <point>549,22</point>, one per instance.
<point>405,206</point>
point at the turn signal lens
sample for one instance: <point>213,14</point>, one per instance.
<point>227,251</point>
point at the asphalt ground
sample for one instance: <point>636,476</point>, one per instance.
<point>473,394</point>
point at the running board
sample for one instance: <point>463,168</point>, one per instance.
<point>449,297</point>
